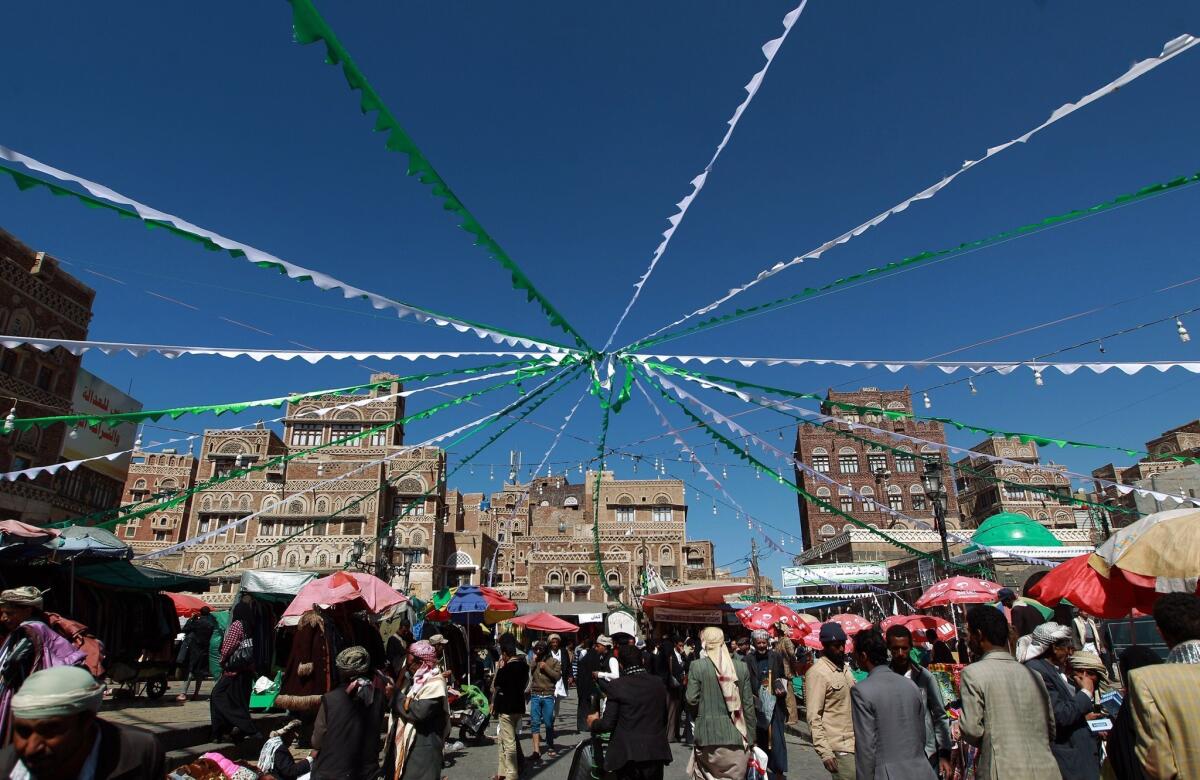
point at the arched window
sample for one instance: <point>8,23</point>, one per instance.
<point>571,501</point>
<point>824,494</point>
<point>139,485</point>
<point>847,460</point>
<point>665,554</point>
<point>200,564</point>
<point>895,498</point>
<point>868,494</point>
<point>820,459</point>
<point>828,530</point>
<point>206,504</point>
<point>266,560</point>
<point>625,509</point>
<point>895,405</point>
<point>661,511</point>
<point>244,503</point>
<point>580,578</point>
<point>554,578</point>
<point>322,560</point>
<point>410,486</point>
<point>916,494</point>
<point>293,560</point>
<point>269,503</point>
<point>418,538</point>
<point>297,505</point>
<point>227,501</point>
<point>230,560</point>
<point>614,579</point>
<point>461,560</point>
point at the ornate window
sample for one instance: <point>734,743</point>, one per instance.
<point>139,485</point>
<point>418,538</point>
<point>625,511</point>
<point>666,554</point>
<point>824,494</point>
<point>847,460</point>
<point>244,503</point>
<point>905,462</point>
<point>581,578</point>
<point>571,502</point>
<point>553,578</point>
<point>461,560</point>
<point>876,462</point>
<point>895,498</point>
<point>200,564</point>
<point>344,431</point>
<point>820,460</point>
<point>307,434</point>
<point>917,496</point>
<point>847,504</point>
<point>828,530</point>
<point>661,512</point>
<point>868,494</point>
<point>322,561</point>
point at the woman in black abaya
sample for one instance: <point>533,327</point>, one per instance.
<point>229,705</point>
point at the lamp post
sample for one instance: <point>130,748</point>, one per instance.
<point>882,475</point>
<point>936,492</point>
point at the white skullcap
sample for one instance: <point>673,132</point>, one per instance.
<point>52,693</point>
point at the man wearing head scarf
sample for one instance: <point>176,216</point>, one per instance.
<point>57,736</point>
<point>30,645</point>
<point>769,679</point>
<point>345,736</point>
<point>276,758</point>
<point>720,691</point>
<point>229,702</point>
<point>1075,746</point>
<point>422,717</point>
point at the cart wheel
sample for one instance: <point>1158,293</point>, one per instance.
<point>156,688</point>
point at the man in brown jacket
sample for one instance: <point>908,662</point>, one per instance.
<point>1166,697</point>
<point>827,702</point>
<point>544,677</point>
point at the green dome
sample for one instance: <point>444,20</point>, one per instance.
<point>1009,529</point>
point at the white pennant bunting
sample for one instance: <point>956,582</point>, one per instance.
<point>1171,48</point>
<point>257,256</point>
<point>949,367</point>
<point>558,434</point>
<point>769,50</point>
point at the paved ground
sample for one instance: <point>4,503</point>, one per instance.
<point>480,762</point>
<point>184,728</point>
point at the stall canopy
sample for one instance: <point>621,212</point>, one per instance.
<point>126,576</point>
<point>343,587</point>
<point>78,541</point>
<point>544,621</point>
<point>186,606</point>
<point>693,596</point>
<point>275,584</point>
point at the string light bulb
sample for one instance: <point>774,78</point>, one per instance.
<point>925,400</point>
<point>1102,349</point>
<point>724,473</point>
<point>74,434</point>
<point>1037,377</point>
<point>714,507</point>
<point>491,472</point>
<point>971,384</point>
<point>757,473</point>
<point>10,420</point>
<point>1184,336</point>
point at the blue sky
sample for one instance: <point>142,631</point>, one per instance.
<point>570,131</point>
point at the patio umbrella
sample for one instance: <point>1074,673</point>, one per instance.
<point>1164,546</point>
<point>693,596</point>
<point>914,623</point>
<point>185,605</point>
<point>363,590</point>
<point>958,590</point>
<point>765,615</point>
<point>1076,581</point>
<point>850,623</point>
<point>78,541</point>
<point>544,621</point>
<point>469,605</point>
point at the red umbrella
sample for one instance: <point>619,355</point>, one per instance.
<point>765,615</point>
<point>1105,597</point>
<point>544,621</point>
<point>812,639</point>
<point>943,627</point>
<point>185,605</point>
<point>692,596</point>
<point>958,590</point>
<point>850,622</point>
<point>343,587</point>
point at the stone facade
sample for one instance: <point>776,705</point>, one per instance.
<point>878,474</point>
<point>979,497</point>
<point>545,549</point>
<point>1151,472</point>
<point>357,522</point>
<point>38,298</point>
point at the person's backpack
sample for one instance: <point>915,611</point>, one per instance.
<point>81,639</point>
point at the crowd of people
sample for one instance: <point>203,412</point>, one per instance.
<point>1035,700</point>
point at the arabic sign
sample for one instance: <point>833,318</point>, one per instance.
<point>711,617</point>
<point>95,396</point>
<point>861,573</point>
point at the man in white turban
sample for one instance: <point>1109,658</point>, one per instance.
<point>57,736</point>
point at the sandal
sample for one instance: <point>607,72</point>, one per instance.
<point>181,698</point>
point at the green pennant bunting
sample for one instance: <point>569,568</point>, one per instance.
<point>26,182</point>
<point>311,27</point>
<point>923,258</point>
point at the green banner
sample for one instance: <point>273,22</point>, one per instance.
<point>899,414</point>
<point>310,27</point>
<point>26,182</point>
<point>236,407</point>
<point>924,258</point>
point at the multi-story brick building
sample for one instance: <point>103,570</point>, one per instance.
<point>1152,473</point>
<point>981,494</point>
<point>545,549</point>
<point>877,474</point>
<point>39,299</point>
<point>396,504</point>
<point>158,474</point>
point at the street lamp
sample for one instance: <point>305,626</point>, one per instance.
<point>934,489</point>
<point>882,475</point>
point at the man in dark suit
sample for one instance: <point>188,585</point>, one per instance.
<point>889,717</point>
<point>636,716</point>
<point>57,736</point>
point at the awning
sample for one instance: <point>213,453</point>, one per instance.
<point>82,542</point>
<point>709,595</point>
<point>799,606</point>
<point>275,584</point>
<point>126,576</point>
<point>562,608</point>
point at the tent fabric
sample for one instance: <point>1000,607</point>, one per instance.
<point>694,596</point>
<point>1009,529</point>
<point>275,582</point>
<point>127,576</point>
<point>343,587</point>
<point>82,541</point>
<point>544,621</point>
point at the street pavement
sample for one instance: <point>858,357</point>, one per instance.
<point>480,761</point>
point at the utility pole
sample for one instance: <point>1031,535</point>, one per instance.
<point>754,569</point>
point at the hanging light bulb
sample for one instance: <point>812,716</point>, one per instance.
<point>925,400</point>
<point>1102,349</point>
<point>471,470</point>
<point>1037,377</point>
<point>635,462</point>
<point>779,478</point>
<point>10,419</point>
<point>74,434</point>
<point>491,472</point>
<point>1182,331</point>
<point>714,507</point>
<point>716,451</point>
<point>581,469</point>
<point>757,473</point>
<point>781,434</point>
<point>724,473</point>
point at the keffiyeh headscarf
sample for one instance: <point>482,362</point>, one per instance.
<point>423,651</point>
<point>1042,639</point>
<point>712,639</point>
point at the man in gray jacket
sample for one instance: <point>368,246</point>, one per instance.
<point>937,723</point>
<point>889,718</point>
